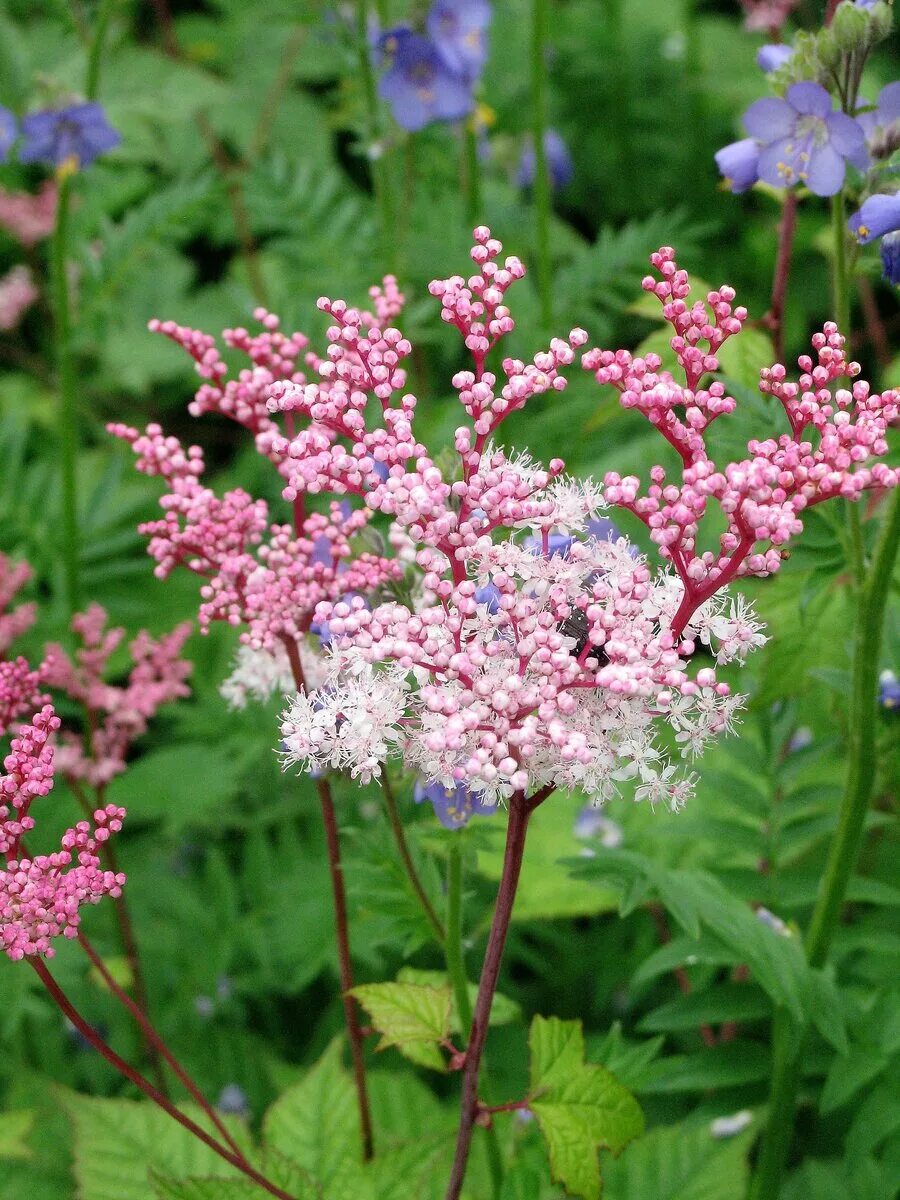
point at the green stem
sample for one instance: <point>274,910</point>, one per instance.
<point>380,177</point>
<point>841,292</point>
<point>843,852</point>
<point>470,173</point>
<point>68,416</point>
<point>412,874</point>
<point>95,52</point>
<point>542,204</point>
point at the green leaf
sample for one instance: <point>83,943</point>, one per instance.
<point>181,785</point>
<point>406,1012</point>
<point>118,1143</point>
<point>741,357</point>
<point>503,1010</point>
<point>726,1002</point>
<point>315,1123</point>
<point>680,1162</point>
<point>578,1106</point>
<point>14,1129</point>
<point>730,1065</point>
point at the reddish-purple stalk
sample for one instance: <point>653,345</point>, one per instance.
<point>345,966</point>
<point>520,810</point>
<point>154,1038</point>
<point>126,931</point>
<point>145,1086</point>
<point>774,319</point>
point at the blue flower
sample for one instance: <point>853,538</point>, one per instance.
<point>559,162</point>
<point>457,29</point>
<point>739,164</point>
<point>804,140</point>
<point>419,85</point>
<point>80,132</point>
<point>233,1101</point>
<point>889,690</point>
<point>879,217</point>
<point>9,130</point>
<point>885,112</point>
<point>452,806</point>
<point>489,595</point>
<point>321,629</point>
<point>602,529</point>
<point>776,54</point>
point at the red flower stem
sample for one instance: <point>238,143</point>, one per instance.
<point>339,894</point>
<point>153,1037</point>
<point>126,931</point>
<point>775,317</point>
<point>144,1085</point>
<point>520,810</point>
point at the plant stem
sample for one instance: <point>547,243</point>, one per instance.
<point>520,810</point>
<point>339,896</point>
<point>380,176</point>
<point>151,1035</point>
<point>418,887</point>
<point>470,172</point>
<point>786,228</point>
<point>95,52</point>
<point>459,980</point>
<point>843,852</point>
<point>144,1085</point>
<point>68,416</point>
<point>541,170</point>
<point>841,289</point>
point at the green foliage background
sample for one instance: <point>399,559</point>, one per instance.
<point>647,944</point>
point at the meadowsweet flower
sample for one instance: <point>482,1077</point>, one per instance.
<point>79,132</point>
<point>453,806</point>
<point>29,218</point>
<point>767,15</point>
<point>879,217</point>
<point>804,140</point>
<point>9,130</point>
<point>559,162</point>
<point>738,163</point>
<point>119,713</point>
<point>13,577</point>
<point>457,28</point>
<point>17,294</point>
<point>889,691</point>
<point>40,896</point>
<point>772,56</point>
<point>418,84</point>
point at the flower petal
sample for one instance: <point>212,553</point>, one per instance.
<point>772,164</point>
<point>880,214</point>
<point>769,118</point>
<point>808,98</point>
<point>888,109</point>
<point>825,172</point>
<point>845,134</point>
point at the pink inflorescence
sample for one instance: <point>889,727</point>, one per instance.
<point>29,218</point>
<point>834,431</point>
<point>40,896</point>
<point>14,622</point>
<point>118,714</point>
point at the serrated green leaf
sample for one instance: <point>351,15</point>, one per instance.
<point>503,1010</point>
<point>315,1123</point>
<point>405,1013</point>
<point>578,1106</point>
<point>14,1129</point>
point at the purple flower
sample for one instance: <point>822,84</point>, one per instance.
<point>804,140</point>
<point>879,217</point>
<point>866,3</point>
<point>489,595</point>
<point>739,164</point>
<point>8,131</point>
<point>775,55</point>
<point>233,1101</point>
<point>889,690</point>
<point>452,806</point>
<point>80,132</point>
<point>321,629</point>
<point>885,112</point>
<point>559,162</point>
<point>419,85</point>
<point>457,29</point>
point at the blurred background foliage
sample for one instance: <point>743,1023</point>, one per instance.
<point>244,178</point>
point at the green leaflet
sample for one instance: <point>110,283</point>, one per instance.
<point>405,1013</point>
<point>578,1106</point>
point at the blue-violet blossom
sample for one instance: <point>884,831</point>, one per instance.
<point>80,132</point>
<point>452,806</point>
<point>457,29</point>
<point>8,131</point>
<point>559,162</point>
<point>418,84</point>
<point>879,217</point>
